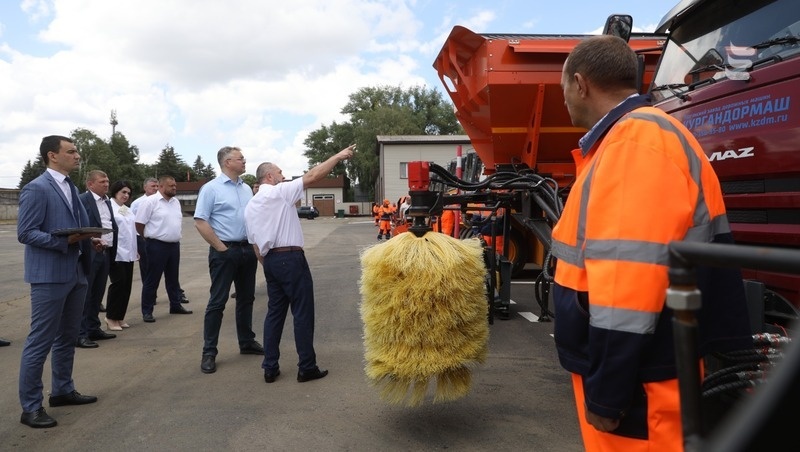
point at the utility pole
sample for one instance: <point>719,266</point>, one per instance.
<point>113,122</point>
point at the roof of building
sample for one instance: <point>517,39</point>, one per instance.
<point>328,182</point>
<point>417,139</point>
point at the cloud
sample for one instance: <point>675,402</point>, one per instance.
<point>199,74</point>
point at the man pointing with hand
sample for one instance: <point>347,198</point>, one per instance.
<point>273,228</point>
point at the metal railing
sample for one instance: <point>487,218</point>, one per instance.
<point>750,419</point>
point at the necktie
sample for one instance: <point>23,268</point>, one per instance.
<point>75,200</point>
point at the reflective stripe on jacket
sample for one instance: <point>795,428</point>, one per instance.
<point>642,182</point>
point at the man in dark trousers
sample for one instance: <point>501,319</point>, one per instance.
<point>159,220</point>
<point>98,206</point>
<point>150,187</point>
<point>219,218</point>
<point>613,331</point>
<point>55,266</point>
<point>274,230</point>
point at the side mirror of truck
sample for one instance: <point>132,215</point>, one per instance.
<point>619,25</point>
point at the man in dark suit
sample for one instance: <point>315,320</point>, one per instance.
<point>56,267</point>
<point>98,206</point>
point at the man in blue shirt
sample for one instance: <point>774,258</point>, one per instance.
<point>219,218</point>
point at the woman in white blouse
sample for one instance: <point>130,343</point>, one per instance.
<point>121,271</point>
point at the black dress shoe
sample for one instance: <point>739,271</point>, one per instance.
<point>253,348</point>
<point>37,419</point>
<point>148,318</point>
<point>179,310</point>
<point>4,343</point>
<point>208,365</point>
<point>85,342</point>
<point>315,374</point>
<point>72,398</point>
<point>184,300</point>
<point>270,377</point>
<point>101,335</point>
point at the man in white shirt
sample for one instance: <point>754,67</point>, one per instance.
<point>158,220</point>
<point>150,187</point>
<point>273,228</point>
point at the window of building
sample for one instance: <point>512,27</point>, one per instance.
<point>403,170</point>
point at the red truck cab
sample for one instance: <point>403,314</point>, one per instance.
<point>730,72</point>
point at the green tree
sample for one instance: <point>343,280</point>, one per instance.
<point>169,163</point>
<point>31,170</point>
<point>209,172</point>
<point>249,179</point>
<point>128,167</point>
<point>95,153</point>
<point>117,158</point>
<point>377,111</point>
<point>327,141</point>
<point>203,171</point>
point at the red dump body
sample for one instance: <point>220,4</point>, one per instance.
<point>506,89</point>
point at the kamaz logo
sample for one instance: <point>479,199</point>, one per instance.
<point>731,154</point>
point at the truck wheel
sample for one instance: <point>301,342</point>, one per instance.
<point>517,252</point>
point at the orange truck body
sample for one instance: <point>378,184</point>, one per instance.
<point>506,89</point>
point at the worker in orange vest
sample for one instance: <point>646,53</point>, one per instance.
<point>447,222</point>
<point>376,212</point>
<point>642,181</point>
<point>385,214</point>
<point>486,232</point>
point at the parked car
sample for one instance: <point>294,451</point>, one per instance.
<point>309,212</point>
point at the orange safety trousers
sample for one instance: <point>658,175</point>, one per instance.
<point>663,420</point>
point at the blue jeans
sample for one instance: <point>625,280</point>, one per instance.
<point>289,284</point>
<point>236,265</point>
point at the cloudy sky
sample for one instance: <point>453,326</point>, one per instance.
<point>258,74</point>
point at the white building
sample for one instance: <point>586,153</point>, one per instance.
<point>395,151</point>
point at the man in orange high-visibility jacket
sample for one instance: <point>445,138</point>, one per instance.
<point>385,213</point>
<point>375,212</point>
<point>642,181</point>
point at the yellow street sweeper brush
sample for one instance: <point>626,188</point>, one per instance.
<point>424,310</point>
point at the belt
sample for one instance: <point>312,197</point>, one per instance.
<point>238,243</point>
<point>283,249</point>
<point>156,240</point>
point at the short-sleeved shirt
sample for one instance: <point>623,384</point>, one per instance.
<point>137,202</point>
<point>162,218</point>
<point>221,203</point>
<point>271,216</point>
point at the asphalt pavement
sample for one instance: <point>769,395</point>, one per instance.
<point>152,395</point>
